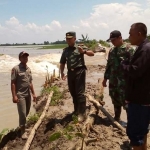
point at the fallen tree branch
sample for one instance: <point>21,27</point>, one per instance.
<point>92,100</point>
<point>32,134</point>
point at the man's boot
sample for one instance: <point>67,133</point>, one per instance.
<point>82,111</point>
<point>75,108</point>
<point>117,110</point>
<point>23,132</point>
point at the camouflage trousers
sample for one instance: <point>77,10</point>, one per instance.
<point>118,96</point>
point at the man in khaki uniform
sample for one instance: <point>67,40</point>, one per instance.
<point>21,85</point>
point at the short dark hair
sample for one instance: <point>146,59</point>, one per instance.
<point>141,27</point>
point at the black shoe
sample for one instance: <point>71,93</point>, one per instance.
<point>82,112</point>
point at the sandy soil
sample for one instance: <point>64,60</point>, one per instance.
<point>58,118</point>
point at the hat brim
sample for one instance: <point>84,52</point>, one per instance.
<point>69,37</point>
<point>111,39</point>
<point>24,54</point>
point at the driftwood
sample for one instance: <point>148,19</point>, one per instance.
<point>38,104</point>
<point>92,100</point>
<point>32,134</point>
<point>99,92</point>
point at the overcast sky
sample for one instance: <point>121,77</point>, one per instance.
<point>48,20</point>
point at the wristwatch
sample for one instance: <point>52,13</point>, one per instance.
<point>84,52</point>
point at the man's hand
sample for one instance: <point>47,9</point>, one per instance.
<point>15,99</point>
<point>80,49</point>
<point>34,98</point>
<point>104,83</point>
<point>63,77</point>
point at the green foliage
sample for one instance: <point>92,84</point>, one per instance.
<point>55,136</point>
<point>75,119</point>
<point>1,54</point>
<point>68,132</point>
<point>79,134</point>
<point>57,95</point>
<point>3,133</point>
<point>104,43</point>
<point>33,118</point>
<point>54,46</point>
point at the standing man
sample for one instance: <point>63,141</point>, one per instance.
<point>74,57</point>
<point>21,85</point>
<point>114,72</point>
<point>138,88</point>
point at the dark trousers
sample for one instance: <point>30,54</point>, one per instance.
<point>76,84</point>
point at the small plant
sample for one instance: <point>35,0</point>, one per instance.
<point>33,118</point>
<point>68,132</point>
<point>57,95</point>
<point>3,133</point>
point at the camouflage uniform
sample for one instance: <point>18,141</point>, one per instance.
<point>115,75</point>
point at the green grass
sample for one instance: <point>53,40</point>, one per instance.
<point>54,46</point>
<point>33,118</point>
<point>57,95</point>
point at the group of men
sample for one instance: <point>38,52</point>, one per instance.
<point>127,70</point>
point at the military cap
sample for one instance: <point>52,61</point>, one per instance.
<point>23,53</point>
<point>70,34</point>
<point>114,34</point>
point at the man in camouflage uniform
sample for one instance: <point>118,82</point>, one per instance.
<point>73,55</point>
<point>120,52</point>
<point>21,85</point>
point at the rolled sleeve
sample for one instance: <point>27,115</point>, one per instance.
<point>63,58</point>
<point>13,74</point>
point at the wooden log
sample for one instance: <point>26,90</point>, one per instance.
<point>92,100</point>
<point>32,134</point>
<point>99,92</point>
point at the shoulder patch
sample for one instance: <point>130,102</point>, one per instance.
<point>65,48</point>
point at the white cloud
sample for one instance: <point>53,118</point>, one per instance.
<point>115,16</point>
<point>12,22</point>
<point>102,20</point>
<point>75,27</point>
<point>56,23</point>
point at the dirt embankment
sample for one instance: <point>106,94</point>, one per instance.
<point>59,121</point>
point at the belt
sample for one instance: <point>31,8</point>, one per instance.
<point>73,69</point>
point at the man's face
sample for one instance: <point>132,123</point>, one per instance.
<point>24,59</point>
<point>134,36</point>
<point>71,41</point>
<point>116,41</point>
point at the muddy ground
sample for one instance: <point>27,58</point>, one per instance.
<point>59,118</point>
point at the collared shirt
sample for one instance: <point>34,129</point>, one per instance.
<point>73,57</point>
<point>23,78</point>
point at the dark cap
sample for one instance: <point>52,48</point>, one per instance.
<point>114,34</point>
<point>23,53</point>
<point>70,34</point>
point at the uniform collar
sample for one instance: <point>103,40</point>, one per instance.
<point>143,42</point>
<point>122,46</point>
<point>72,47</point>
<point>21,65</point>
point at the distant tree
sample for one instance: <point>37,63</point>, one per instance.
<point>104,43</point>
<point>84,38</point>
<point>46,42</point>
